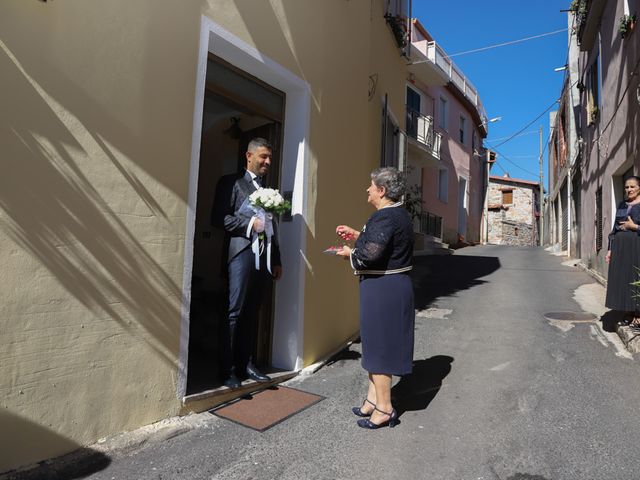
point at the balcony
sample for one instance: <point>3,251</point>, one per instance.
<point>588,14</point>
<point>439,57</point>
<point>398,17</point>
<point>423,137</point>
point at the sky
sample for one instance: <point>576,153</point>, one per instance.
<point>516,82</point>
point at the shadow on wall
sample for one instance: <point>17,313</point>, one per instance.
<point>20,436</point>
<point>455,273</point>
<point>53,211</point>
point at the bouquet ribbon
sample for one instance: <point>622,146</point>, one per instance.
<point>267,219</point>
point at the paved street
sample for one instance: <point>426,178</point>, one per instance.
<point>498,392</point>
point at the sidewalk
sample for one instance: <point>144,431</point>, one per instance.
<point>591,297</point>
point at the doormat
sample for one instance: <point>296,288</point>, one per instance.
<point>268,407</point>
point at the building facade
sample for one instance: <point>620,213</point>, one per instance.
<point>513,212</point>
<point>119,117</point>
<point>594,144</point>
<point>445,107</point>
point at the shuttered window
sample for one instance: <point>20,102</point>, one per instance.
<point>507,197</point>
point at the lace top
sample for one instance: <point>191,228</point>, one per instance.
<point>385,245</point>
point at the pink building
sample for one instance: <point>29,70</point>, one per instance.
<point>446,124</point>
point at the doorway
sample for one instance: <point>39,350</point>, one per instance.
<point>237,107</point>
<point>462,207</point>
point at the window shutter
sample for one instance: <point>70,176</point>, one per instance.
<point>599,219</point>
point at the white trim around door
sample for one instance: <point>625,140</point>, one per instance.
<point>288,325</point>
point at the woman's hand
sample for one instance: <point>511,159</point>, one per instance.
<point>347,233</point>
<point>628,224</point>
<point>607,257</point>
<point>345,252</point>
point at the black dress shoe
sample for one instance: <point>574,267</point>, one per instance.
<point>232,382</point>
<point>254,374</point>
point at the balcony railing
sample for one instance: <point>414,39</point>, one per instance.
<point>420,128</point>
<point>431,224</point>
<point>439,57</point>
<point>398,17</point>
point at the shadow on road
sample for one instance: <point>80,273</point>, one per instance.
<point>416,390</point>
<point>610,319</point>
<point>442,275</point>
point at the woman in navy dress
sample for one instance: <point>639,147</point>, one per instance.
<point>382,258</point>
<point>624,256</point>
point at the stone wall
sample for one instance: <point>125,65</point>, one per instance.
<point>511,221</point>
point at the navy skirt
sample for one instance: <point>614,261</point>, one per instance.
<point>387,319</point>
<point>623,269</point>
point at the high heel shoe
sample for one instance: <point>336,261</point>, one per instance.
<point>392,421</point>
<point>358,410</point>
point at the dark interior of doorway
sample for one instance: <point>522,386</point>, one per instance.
<point>228,126</point>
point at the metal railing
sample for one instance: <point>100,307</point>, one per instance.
<point>420,128</point>
<point>398,17</point>
<point>438,56</point>
<point>431,224</point>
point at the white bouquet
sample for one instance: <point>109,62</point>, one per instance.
<point>270,200</point>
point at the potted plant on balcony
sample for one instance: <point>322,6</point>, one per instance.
<point>627,24</point>
<point>579,8</point>
<point>398,27</point>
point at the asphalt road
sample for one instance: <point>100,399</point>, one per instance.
<point>498,392</point>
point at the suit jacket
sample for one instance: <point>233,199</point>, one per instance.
<point>231,192</point>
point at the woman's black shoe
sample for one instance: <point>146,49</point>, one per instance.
<point>358,410</point>
<point>392,421</point>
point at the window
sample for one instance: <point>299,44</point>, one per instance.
<point>507,197</point>
<point>593,92</point>
<point>473,141</point>
<point>443,117</point>
<point>413,111</point>
<point>394,142</point>
<point>463,128</point>
<point>443,185</point>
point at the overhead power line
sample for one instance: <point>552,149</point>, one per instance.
<point>507,43</point>
<point>526,126</point>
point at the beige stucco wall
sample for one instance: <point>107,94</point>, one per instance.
<point>95,147</point>
<point>96,134</point>
<point>335,48</point>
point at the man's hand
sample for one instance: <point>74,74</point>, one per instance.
<point>607,257</point>
<point>258,225</point>
<point>277,272</point>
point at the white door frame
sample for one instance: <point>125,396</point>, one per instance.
<point>289,297</point>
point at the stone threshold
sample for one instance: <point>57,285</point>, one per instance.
<point>208,399</point>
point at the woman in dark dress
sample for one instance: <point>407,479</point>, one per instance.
<point>382,257</point>
<point>623,256</point>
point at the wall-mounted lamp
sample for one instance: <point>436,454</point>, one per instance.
<point>560,69</point>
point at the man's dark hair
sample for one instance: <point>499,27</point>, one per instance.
<point>258,142</point>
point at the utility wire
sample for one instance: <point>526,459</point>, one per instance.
<point>515,164</point>
<point>507,43</point>
<point>530,132</point>
<point>527,125</point>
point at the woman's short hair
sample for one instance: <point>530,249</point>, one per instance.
<point>392,180</point>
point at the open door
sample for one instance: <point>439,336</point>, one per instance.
<point>237,108</point>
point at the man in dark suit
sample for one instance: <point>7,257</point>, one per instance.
<point>246,282</point>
